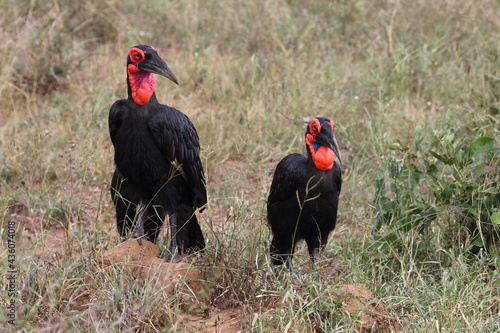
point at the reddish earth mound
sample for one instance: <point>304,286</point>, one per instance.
<point>144,263</point>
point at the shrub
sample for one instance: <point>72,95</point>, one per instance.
<point>445,191</point>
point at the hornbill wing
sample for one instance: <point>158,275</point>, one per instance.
<point>338,177</point>
<point>178,140</point>
<point>290,175</point>
<point>114,117</point>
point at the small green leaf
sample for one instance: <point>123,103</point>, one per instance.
<point>478,241</point>
<point>495,218</point>
<point>482,143</point>
<point>445,160</point>
<point>414,180</point>
<point>490,190</point>
<point>432,169</point>
<point>395,146</point>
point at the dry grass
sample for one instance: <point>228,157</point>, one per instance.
<point>250,72</point>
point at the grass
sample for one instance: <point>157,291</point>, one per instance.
<point>251,73</point>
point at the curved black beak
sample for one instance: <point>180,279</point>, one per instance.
<point>327,138</point>
<point>157,65</point>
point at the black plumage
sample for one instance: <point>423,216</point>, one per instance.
<point>304,195</point>
<point>158,166</point>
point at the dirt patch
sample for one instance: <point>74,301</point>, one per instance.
<point>141,262</point>
<point>144,263</point>
<point>49,239</point>
<point>361,303</point>
<point>224,321</point>
<point>55,243</point>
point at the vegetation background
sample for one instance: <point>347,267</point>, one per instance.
<point>411,85</point>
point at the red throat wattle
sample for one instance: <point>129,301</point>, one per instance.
<point>142,83</point>
<point>323,158</point>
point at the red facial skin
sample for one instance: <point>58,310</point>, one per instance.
<point>143,84</point>
<point>324,157</point>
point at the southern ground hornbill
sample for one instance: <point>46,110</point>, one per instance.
<point>304,195</point>
<point>158,166</point>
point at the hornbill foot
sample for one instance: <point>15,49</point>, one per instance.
<point>288,263</point>
<point>295,280</point>
<point>139,239</point>
<point>175,257</point>
<point>312,255</point>
<point>314,262</point>
<point>137,233</point>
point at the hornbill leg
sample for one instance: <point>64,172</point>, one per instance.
<point>312,245</point>
<point>138,232</point>
<point>288,263</point>
<point>172,254</point>
<point>312,255</point>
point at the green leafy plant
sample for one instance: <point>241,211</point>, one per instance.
<point>446,186</point>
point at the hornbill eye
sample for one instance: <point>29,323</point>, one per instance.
<point>136,55</point>
<point>314,127</point>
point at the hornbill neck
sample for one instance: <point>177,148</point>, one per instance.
<point>141,87</point>
<point>151,100</point>
<point>319,157</point>
<point>311,165</point>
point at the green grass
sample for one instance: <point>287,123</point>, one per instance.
<point>251,73</point>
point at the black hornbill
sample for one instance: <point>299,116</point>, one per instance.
<point>304,195</point>
<point>158,166</point>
